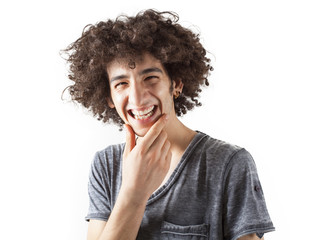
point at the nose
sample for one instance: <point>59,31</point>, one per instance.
<point>137,94</point>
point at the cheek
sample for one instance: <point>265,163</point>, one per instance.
<point>119,101</point>
<point>165,99</point>
<point>116,98</point>
<point>163,90</point>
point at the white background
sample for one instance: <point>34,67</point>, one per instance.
<point>261,97</point>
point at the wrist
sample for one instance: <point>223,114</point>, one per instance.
<point>132,197</point>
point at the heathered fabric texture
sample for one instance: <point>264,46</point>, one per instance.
<point>214,193</point>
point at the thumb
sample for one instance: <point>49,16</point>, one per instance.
<point>130,139</point>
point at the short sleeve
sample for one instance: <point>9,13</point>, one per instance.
<point>99,203</point>
<point>244,210</point>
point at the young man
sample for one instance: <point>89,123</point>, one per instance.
<point>167,181</point>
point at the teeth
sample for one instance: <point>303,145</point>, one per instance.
<point>143,116</point>
<point>139,115</point>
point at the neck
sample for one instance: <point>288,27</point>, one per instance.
<point>179,135</point>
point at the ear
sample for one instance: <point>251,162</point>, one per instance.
<point>177,86</point>
<point>110,103</point>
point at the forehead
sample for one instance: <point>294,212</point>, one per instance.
<point>124,66</point>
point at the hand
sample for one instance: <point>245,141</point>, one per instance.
<point>146,164</point>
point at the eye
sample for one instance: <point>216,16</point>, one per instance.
<point>120,84</point>
<point>151,78</point>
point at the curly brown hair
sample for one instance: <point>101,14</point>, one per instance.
<point>157,33</point>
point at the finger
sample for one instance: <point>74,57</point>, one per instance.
<point>154,132</point>
<point>130,139</point>
<point>159,142</point>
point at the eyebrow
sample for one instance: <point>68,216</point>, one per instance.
<point>150,70</point>
<point>143,72</point>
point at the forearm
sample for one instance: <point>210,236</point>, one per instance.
<point>145,165</point>
<point>125,219</point>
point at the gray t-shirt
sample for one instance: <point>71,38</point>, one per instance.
<point>214,193</point>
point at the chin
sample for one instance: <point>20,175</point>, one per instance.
<point>141,132</point>
<point>142,126</point>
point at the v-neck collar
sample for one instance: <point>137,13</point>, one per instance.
<point>177,171</point>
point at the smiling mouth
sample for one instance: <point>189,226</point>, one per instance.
<point>142,115</point>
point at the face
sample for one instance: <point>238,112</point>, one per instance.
<point>142,94</point>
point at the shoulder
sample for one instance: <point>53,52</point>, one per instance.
<point>219,150</point>
<point>111,151</point>
<point>221,155</point>
<point>107,157</point>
